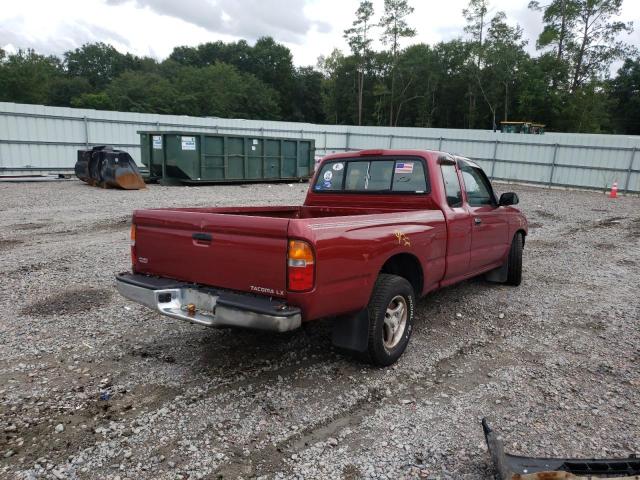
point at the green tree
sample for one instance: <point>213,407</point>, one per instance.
<point>99,63</point>
<point>221,90</point>
<point>360,42</point>
<point>307,98</point>
<point>559,17</point>
<point>63,89</point>
<point>504,55</point>
<point>625,93</point>
<point>96,101</point>
<point>584,37</point>
<point>142,92</point>
<point>337,87</point>
<point>25,76</point>
<point>596,46</point>
<point>476,16</point>
<point>394,28</point>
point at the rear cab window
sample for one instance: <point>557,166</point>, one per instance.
<point>373,175</point>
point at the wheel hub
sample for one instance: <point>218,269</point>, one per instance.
<point>395,321</point>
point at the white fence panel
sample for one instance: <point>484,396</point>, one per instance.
<point>36,139</point>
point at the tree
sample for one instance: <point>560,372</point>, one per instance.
<point>583,35</point>
<point>99,63</point>
<point>221,90</point>
<point>142,92</point>
<point>475,14</point>
<point>26,75</point>
<point>96,101</point>
<point>625,93</point>
<point>504,55</point>
<point>559,18</point>
<point>596,46</point>
<point>358,38</point>
<point>337,98</point>
<point>395,27</point>
<point>63,89</point>
<point>307,98</point>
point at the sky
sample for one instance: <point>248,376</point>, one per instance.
<point>309,28</point>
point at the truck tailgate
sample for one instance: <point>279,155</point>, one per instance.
<point>236,252</point>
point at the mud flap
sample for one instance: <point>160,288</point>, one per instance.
<point>513,467</point>
<point>351,333</point>
<point>498,275</point>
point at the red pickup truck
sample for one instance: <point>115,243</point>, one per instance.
<point>378,229</point>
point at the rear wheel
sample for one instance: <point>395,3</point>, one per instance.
<point>391,311</point>
<point>514,262</point>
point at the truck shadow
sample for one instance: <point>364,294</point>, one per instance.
<point>233,351</point>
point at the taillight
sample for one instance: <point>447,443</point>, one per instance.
<point>133,244</point>
<point>301,269</point>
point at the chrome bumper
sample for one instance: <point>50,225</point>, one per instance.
<point>209,307</point>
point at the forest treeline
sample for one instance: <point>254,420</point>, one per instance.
<point>475,81</point>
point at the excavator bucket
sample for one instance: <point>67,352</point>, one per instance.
<point>108,168</point>
<point>513,467</point>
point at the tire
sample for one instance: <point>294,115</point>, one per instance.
<point>393,300</point>
<point>514,262</point>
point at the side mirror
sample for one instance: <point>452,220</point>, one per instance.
<point>508,198</point>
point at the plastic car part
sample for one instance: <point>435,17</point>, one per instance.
<point>513,467</point>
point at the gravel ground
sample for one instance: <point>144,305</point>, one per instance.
<point>94,386</point>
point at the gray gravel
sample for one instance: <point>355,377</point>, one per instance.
<point>93,386</point>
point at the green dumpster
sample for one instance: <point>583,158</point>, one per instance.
<point>196,157</point>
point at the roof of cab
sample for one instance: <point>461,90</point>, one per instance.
<point>383,153</point>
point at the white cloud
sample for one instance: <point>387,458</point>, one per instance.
<point>309,28</point>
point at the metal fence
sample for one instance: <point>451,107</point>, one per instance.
<point>40,139</point>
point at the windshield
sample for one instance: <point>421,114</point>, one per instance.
<point>381,175</point>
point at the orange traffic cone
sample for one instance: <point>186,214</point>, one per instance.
<point>614,190</point>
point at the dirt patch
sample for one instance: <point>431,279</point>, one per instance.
<point>545,214</point>
<point>111,226</point>
<point>9,244</point>
<point>608,222</point>
<point>30,226</point>
<point>351,472</point>
<point>627,263</point>
<point>534,225</point>
<point>540,243</point>
<point>634,229</point>
<point>600,223</point>
<point>70,302</point>
<point>605,246</point>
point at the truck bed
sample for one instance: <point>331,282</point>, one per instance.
<point>245,249</point>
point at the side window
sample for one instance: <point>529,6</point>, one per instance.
<point>408,176</point>
<point>478,188</point>
<point>451,185</point>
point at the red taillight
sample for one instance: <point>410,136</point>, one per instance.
<point>133,244</point>
<point>300,266</point>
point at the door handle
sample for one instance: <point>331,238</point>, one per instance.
<point>202,237</point>
<point>477,220</point>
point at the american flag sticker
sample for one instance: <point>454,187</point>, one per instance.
<point>404,167</point>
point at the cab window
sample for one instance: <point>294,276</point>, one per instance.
<point>384,175</point>
<point>451,185</point>
<point>476,183</point>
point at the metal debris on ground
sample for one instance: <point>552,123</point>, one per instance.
<point>514,467</point>
<point>105,167</point>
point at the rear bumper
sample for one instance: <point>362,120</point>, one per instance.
<point>208,306</point>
